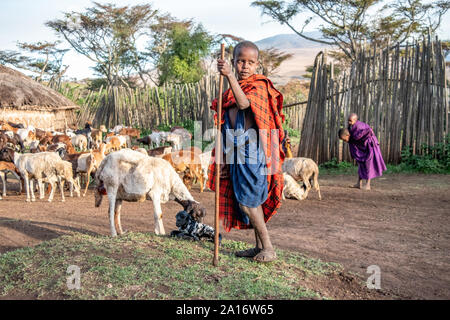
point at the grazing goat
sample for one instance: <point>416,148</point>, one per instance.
<point>291,189</point>
<point>303,169</point>
<point>80,141</point>
<point>64,172</point>
<point>39,166</point>
<point>97,135</point>
<point>189,163</point>
<point>93,162</point>
<point>132,176</point>
<point>155,139</point>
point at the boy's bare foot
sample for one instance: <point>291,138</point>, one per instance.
<point>366,187</point>
<point>266,255</point>
<point>249,253</point>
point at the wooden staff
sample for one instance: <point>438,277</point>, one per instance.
<point>218,162</point>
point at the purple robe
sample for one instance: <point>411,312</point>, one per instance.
<point>365,149</point>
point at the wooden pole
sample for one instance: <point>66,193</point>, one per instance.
<point>218,163</point>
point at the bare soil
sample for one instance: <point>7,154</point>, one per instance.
<point>402,225</point>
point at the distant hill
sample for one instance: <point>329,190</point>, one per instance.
<point>290,41</point>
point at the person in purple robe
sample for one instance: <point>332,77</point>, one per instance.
<point>365,149</point>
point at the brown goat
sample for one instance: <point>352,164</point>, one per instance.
<point>189,163</point>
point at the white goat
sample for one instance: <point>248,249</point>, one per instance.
<point>303,169</point>
<point>175,140</point>
<point>39,166</point>
<point>291,189</point>
<point>80,141</point>
<point>64,173</point>
<point>132,176</point>
<point>158,137</point>
<point>205,159</point>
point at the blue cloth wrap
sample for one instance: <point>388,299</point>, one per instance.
<point>247,165</point>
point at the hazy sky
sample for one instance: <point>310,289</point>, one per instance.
<point>23,20</point>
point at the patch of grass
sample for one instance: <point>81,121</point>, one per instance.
<point>146,266</point>
<point>334,167</point>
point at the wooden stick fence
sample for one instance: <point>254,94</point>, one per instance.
<point>147,108</point>
<point>400,92</point>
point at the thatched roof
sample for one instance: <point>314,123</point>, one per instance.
<point>18,91</point>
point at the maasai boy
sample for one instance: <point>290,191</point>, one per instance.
<point>365,149</point>
<point>251,181</point>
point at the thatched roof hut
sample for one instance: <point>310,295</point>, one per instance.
<point>23,100</point>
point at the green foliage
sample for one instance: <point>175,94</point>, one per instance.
<point>291,132</point>
<point>181,62</point>
<point>431,159</point>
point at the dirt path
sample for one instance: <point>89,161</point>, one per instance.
<point>402,226</point>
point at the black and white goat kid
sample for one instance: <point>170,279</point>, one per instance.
<point>189,228</point>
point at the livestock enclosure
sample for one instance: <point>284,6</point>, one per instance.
<point>400,91</point>
<point>149,107</point>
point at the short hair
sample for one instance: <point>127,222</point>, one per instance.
<point>245,44</point>
<point>343,132</point>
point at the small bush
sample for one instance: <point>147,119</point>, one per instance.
<point>431,159</point>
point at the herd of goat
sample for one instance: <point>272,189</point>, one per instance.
<point>122,169</point>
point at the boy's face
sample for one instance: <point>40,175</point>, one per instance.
<point>345,138</point>
<point>246,62</point>
<point>352,120</point>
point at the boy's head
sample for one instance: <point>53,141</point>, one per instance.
<point>352,119</point>
<point>245,59</point>
<point>344,134</point>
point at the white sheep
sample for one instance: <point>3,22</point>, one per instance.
<point>132,176</point>
<point>303,169</point>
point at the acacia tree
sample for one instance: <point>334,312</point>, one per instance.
<point>107,35</point>
<point>347,23</point>
<point>271,59</point>
<point>45,61</point>
<point>177,49</point>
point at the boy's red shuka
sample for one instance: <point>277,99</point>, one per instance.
<point>266,104</point>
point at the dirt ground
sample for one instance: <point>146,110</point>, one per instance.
<point>402,226</point>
